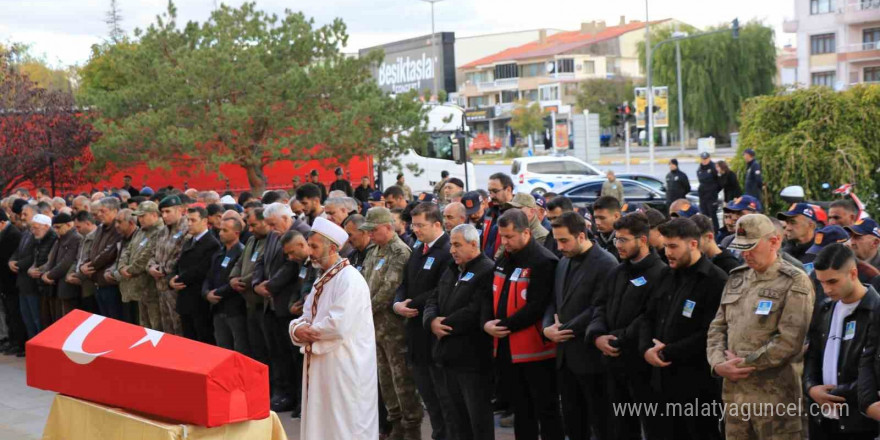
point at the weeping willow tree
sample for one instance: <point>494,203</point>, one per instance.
<point>718,73</point>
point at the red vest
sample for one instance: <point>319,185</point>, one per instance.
<point>487,227</point>
<point>528,344</point>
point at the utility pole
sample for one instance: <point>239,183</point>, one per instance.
<point>649,115</point>
<point>681,133</point>
<point>434,48</point>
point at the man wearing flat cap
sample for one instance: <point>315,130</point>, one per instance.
<point>335,332</point>
<point>757,337</point>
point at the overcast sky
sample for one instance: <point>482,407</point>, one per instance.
<point>64,30</point>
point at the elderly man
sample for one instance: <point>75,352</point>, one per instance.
<point>134,282</point>
<point>62,256</point>
<point>843,213</point>
<point>340,398</point>
<point>103,254</point>
<point>384,271</point>
<point>241,280</point>
<point>81,203</point>
<point>757,337</point>
<point>461,350</point>
<point>358,239</point>
<point>81,294</point>
<point>126,225</point>
<point>454,214</point>
<point>44,239</point>
<point>276,279</point>
<point>337,209</point>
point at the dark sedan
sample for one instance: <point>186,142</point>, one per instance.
<point>583,194</point>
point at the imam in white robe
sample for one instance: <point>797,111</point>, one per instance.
<point>342,398</point>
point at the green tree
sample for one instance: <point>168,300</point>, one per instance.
<point>815,136</point>
<point>245,88</point>
<point>602,96</point>
<point>718,73</point>
<point>527,118</point>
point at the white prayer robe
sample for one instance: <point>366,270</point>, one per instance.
<point>342,398</point>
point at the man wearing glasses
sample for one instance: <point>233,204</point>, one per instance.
<point>616,323</point>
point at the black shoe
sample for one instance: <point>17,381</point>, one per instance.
<point>12,350</point>
<point>4,345</point>
<point>296,413</point>
<point>20,354</point>
<point>283,404</point>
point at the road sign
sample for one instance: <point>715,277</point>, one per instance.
<point>661,102</point>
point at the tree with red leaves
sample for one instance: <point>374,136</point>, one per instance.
<point>39,130</point>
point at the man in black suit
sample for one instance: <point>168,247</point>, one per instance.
<point>10,237</point>
<point>227,305</point>
<point>277,278</point>
<point>461,349</point>
<point>428,260</point>
<point>581,272</point>
<point>673,335</point>
<point>190,272</point>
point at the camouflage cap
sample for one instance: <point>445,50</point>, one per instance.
<point>377,216</point>
<point>145,207</point>
<point>522,200</point>
<point>750,229</point>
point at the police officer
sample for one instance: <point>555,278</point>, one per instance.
<point>801,223</point>
<point>522,288</point>
<point>677,184</point>
<point>754,179</point>
<point>709,187</point>
<point>758,333</point>
<point>384,270</point>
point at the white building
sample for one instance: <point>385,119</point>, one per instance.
<point>838,42</point>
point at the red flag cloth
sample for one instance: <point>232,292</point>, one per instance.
<point>119,364</point>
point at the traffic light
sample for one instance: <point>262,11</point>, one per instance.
<point>620,115</point>
<point>734,29</point>
<point>629,113</point>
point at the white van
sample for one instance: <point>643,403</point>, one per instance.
<point>544,174</point>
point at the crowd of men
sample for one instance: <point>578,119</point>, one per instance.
<point>486,301</point>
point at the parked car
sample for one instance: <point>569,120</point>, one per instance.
<point>544,174</point>
<point>656,183</point>
<point>583,194</point>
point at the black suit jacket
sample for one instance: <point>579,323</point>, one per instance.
<point>24,256</point>
<point>9,240</point>
<point>460,298</point>
<point>573,296</point>
<point>222,263</point>
<point>191,269</point>
<point>282,274</point>
<point>418,285</point>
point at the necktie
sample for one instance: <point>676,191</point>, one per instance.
<point>425,249</point>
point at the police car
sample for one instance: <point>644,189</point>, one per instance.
<point>539,175</point>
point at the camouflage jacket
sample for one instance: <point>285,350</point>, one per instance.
<point>167,251</point>
<point>383,269</point>
<point>134,258</point>
<point>763,318</point>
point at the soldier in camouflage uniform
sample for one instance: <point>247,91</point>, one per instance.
<point>383,269</point>
<point>161,266</point>
<point>135,283</point>
<point>757,337</point>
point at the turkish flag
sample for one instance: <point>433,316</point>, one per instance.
<point>165,376</point>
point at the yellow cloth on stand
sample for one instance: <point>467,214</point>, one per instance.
<point>75,419</point>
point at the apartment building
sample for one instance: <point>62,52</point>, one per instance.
<point>549,71</point>
<point>838,42</point>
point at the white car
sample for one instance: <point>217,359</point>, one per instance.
<point>545,174</point>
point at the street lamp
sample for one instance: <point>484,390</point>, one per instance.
<point>434,47</point>
<point>681,135</point>
<point>649,115</point>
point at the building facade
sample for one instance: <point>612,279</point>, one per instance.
<point>838,42</point>
<point>548,71</point>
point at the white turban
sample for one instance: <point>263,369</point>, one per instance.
<point>330,230</point>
